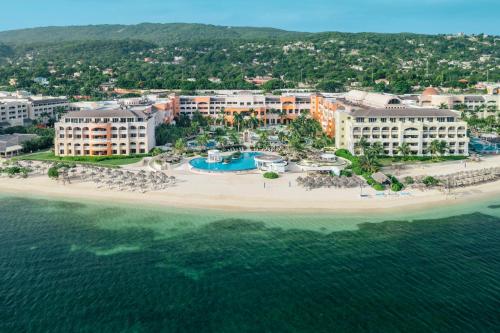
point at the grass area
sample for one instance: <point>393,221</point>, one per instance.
<point>109,161</point>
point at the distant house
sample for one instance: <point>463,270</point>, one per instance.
<point>259,80</point>
<point>41,80</point>
<point>12,144</point>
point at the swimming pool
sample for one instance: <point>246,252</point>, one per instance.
<point>484,147</point>
<point>245,162</point>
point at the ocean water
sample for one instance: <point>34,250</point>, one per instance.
<point>84,267</point>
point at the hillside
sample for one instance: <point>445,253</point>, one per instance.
<point>151,32</point>
<point>77,60</point>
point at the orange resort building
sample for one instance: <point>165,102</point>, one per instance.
<point>268,109</point>
<point>104,132</point>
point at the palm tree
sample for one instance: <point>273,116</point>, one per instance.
<point>253,121</point>
<point>237,118</point>
<point>234,138</point>
<point>438,148</point>
<point>368,163</point>
<point>404,150</point>
<point>222,116</point>
<point>202,140</point>
<point>443,106</point>
<point>180,146</point>
<point>221,141</point>
<point>263,142</point>
<point>376,149</point>
<point>362,145</point>
<point>282,136</point>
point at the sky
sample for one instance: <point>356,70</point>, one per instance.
<point>422,16</point>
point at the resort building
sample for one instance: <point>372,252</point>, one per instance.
<point>18,108</point>
<point>43,106</point>
<point>104,132</point>
<point>386,119</point>
<point>13,111</point>
<point>268,109</point>
<point>487,105</point>
<point>12,144</point>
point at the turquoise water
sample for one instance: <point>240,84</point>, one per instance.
<point>246,162</point>
<point>68,267</point>
<point>484,147</point>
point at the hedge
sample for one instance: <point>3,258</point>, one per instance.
<point>271,175</point>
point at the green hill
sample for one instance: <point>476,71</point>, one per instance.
<point>151,32</point>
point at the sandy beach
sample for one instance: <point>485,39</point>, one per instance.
<point>251,192</point>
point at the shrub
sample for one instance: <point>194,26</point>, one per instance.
<point>396,187</point>
<point>358,170</point>
<point>13,170</point>
<point>271,175</point>
<point>53,172</point>
<point>347,173</point>
<point>156,151</point>
<point>378,187</point>
<point>430,181</point>
<point>408,180</point>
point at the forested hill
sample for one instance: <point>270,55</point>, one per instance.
<point>152,32</point>
<point>78,60</point>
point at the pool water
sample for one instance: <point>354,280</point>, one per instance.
<point>484,147</point>
<point>246,162</point>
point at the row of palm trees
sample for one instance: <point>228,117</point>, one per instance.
<point>246,119</point>
<point>436,148</point>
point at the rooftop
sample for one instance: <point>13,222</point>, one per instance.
<point>404,112</point>
<point>115,113</point>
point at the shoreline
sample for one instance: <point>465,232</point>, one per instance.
<point>224,195</point>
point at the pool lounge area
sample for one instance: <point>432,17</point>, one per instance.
<point>482,146</point>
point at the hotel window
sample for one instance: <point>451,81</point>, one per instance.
<point>384,120</point>
<point>392,120</point>
<point>372,120</point>
<point>360,120</point>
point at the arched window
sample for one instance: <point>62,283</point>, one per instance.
<point>394,101</point>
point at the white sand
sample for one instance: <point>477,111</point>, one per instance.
<point>248,193</point>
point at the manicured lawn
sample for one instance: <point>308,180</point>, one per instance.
<point>108,161</point>
<point>122,161</point>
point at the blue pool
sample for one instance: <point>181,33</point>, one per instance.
<point>246,162</point>
<point>484,147</point>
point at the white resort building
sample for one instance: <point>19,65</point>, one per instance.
<point>104,132</point>
<point>384,118</point>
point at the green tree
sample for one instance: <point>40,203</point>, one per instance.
<point>53,172</point>
<point>180,146</point>
<point>404,150</point>
<point>438,148</point>
<point>237,119</point>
